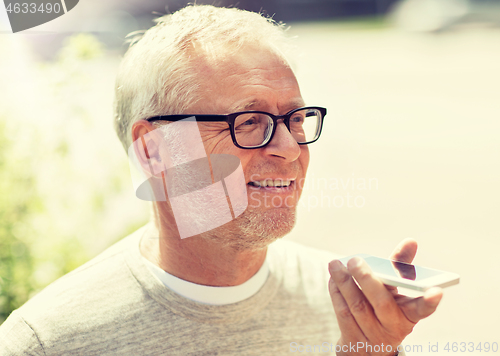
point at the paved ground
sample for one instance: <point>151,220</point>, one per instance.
<point>418,117</point>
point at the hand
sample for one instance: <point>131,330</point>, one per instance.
<point>372,317</point>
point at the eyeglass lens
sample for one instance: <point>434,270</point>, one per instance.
<point>254,129</point>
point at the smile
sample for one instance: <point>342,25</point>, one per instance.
<point>271,184</point>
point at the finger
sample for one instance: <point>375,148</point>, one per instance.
<point>393,290</point>
<point>405,251</point>
<point>420,308</point>
<point>357,303</point>
<point>345,319</point>
<point>381,299</point>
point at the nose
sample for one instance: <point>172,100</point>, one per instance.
<point>283,144</point>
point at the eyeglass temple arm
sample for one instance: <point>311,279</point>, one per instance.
<point>182,117</point>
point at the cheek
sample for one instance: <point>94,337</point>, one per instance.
<point>223,144</point>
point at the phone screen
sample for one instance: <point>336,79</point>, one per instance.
<point>399,269</point>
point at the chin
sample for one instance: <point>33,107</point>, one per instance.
<point>254,230</point>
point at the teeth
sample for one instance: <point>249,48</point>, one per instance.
<point>272,183</point>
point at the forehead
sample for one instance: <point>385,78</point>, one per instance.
<point>250,79</point>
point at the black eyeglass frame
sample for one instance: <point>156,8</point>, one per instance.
<point>230,118</point>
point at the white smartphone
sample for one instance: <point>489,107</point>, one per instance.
<point>405,275</point>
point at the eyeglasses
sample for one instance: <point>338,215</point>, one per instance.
<point>255,129</point>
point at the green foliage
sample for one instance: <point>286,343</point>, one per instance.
<point>18,201</point>
<point>29,258</point>
<point>64,180</point>
<point>81,47</point>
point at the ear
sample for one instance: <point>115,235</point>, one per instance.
<point>148,146</point>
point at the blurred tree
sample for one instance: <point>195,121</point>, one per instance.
<point>82,46</point>
<point>33,251</point>
<point>18,200</point>
<point>65,190</point>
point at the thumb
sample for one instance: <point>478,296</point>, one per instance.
<point>405,251</point>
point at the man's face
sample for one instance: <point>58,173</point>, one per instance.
<point>256,79</point>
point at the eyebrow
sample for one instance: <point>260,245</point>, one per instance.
<point>252,104</point>
<point>249,105</point>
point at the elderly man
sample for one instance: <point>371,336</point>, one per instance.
<point>227,289</point>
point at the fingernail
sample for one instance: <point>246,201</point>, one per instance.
<point>334,266</point>
<point>355,262</point>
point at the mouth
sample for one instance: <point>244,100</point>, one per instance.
<point>279,184</point>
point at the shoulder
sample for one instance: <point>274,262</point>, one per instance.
<point>17,338</point>
<point>98,292</point>
<point>109,265</point>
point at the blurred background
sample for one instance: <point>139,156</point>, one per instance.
<point>410,146</point>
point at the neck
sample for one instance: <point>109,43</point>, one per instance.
<point>200,260</point>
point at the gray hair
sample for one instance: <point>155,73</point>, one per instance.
<point>157,75</point>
